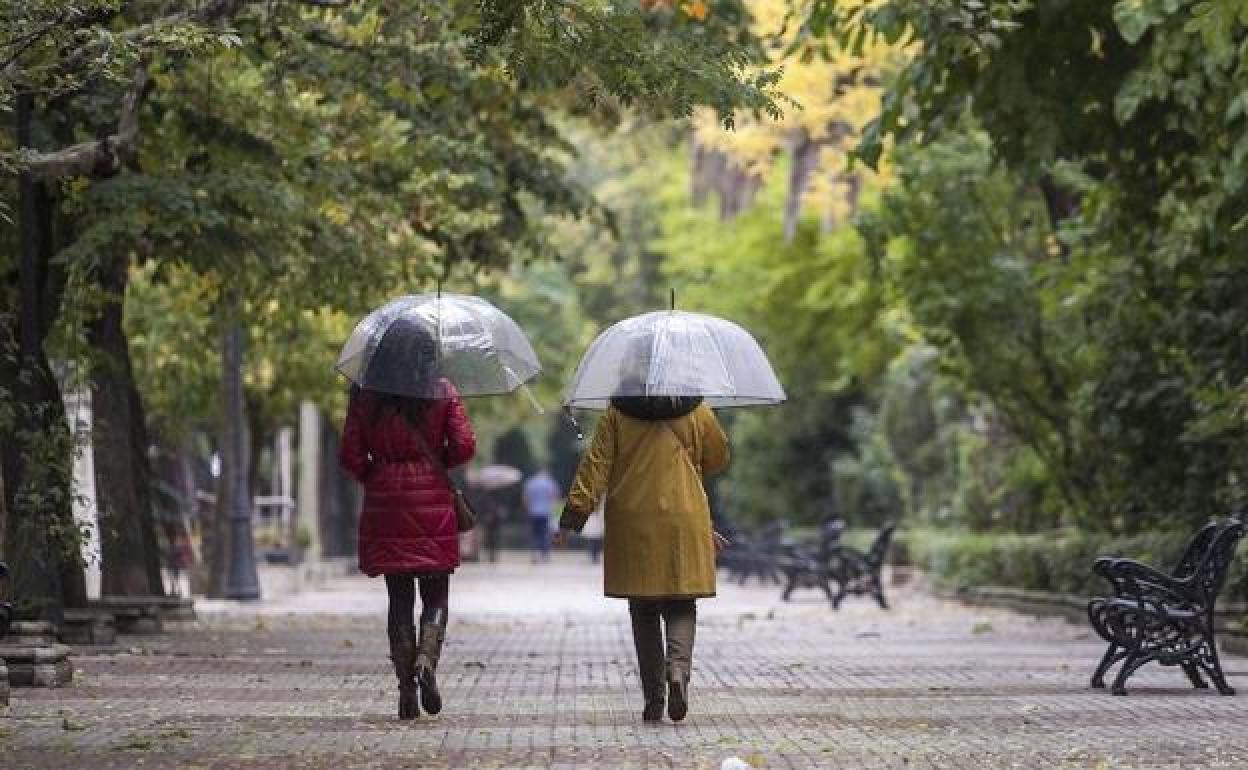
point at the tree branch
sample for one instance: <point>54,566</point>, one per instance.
<point>104,157</point>
<point>321,37</point>
<point>213,11</point>
<point>101,157</point>
<point>21,45</point>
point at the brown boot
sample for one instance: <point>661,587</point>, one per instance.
<point>428,650</point>
<point>648,641</point>
<point>680,617</point>
<point>402,654</point>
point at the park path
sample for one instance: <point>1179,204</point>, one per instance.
<point>538,673</point>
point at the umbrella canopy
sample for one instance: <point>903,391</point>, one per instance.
<point>493,476</point>
<point>406,345</point>
<point>674,353</point>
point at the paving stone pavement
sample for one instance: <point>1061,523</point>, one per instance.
<point>538,672</point>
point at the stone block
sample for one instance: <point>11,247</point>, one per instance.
<point>37,665</point>
<point>143,614</point>
<point>177,608</point>
<point>138,620</point>
<point>30,632</point>
<point>88,627</point>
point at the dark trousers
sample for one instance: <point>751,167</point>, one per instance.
<point>657,662</point>
<point>434,595</point>
<point>492,530</point>
<point>539,535</point>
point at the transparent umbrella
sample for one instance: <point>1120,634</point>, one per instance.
<point>408,344</point>
<point>494,476</point>
<point>675,353</point>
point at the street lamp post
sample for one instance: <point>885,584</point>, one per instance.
<point>240,579</point>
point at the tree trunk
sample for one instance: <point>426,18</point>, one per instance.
<point>131,551</point>
<point>698,187</point>
<point>1061,205</point>
<point>853,192</point>
<point>729,182</point>
<point>36,453</point>
<point>738,193</point>
<point>805,158</point>
<point>41,539</point>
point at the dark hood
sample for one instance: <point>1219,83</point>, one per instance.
<point>656,407</point>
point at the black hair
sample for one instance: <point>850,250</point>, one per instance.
<point>412,409</point>
<point>656,407</point>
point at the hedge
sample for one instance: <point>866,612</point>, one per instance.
<point>1058,562</point>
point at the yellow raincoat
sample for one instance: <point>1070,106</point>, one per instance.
<point>658,523</point>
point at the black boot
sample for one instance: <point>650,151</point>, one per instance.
<point>677,699</point>
<point>402,654</point>
<point>428,650</point>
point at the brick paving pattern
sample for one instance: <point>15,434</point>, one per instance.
<point>538,673</point>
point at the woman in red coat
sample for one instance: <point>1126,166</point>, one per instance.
<point>408,530</point>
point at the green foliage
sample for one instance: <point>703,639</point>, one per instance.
<point>1127,117</point>
<point>652,56</point>
<point>921,423</point>
<point>959,242</point>
<point>1059,562</point>
<point>1108,368</point>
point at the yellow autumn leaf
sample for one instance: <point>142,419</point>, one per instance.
<point>697,10</point>
<point>335,214</point>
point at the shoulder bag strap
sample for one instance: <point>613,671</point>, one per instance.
<point>684,448</point>
<point>433,458</point>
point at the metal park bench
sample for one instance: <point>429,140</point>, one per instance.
<point>807,565</point>
<point>1154,616</point>
<point>857,573</point>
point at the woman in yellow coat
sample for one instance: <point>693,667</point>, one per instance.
<point>648,458</point>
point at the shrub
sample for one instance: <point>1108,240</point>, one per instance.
<point>1059,561</point>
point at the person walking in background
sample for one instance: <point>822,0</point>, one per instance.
<point>647,458</point>
<point>493,514</point>
<point>397,446</point>
<point>541,494</point>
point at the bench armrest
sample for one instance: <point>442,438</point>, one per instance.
<point>849,555</point>
<point>1135,580</point>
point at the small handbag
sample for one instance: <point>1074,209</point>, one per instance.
<point>465,516</point>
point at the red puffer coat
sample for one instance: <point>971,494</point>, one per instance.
<point>408,520</point>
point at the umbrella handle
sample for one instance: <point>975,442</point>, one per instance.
<point>576,426</point>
